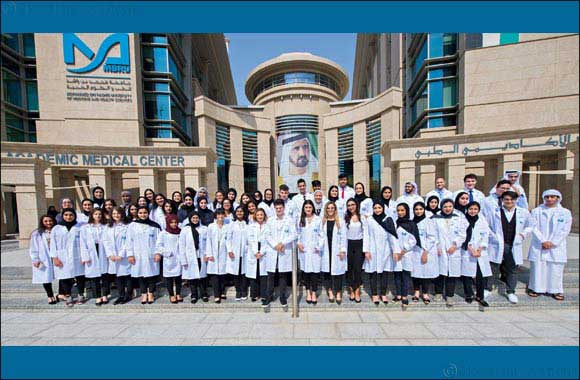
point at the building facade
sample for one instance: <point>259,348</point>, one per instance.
<point>137,111</point>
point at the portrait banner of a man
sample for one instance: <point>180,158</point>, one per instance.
<point>297,158</point>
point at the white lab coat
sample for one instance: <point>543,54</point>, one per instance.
<point>348,193</point>
<point>366,207</point>
<point>82,218</point>
<point>299,199</point>
<point>268,209</point>
<point>551,226</point>
<point>478,196</point>
<point>524,226</point>
<point>410,200</point>
<point>479,239</point>
<point>168,246</point>
<point>280,231</point>
<point>340,208</point>
<point>256,234</point>
<point>440,194</point>
<point>450,231</point>
<point>141,244</point>
<point>407,242</point>
<point>157,215</point>
<point>381,245</point>
<point>237,242</point>
<point>40,252</point>
<point>66,246</point>
<point>216,247</point>
<point>188,255</point>
<point>428,236</point>
<point>337,266</point>
<point>310,236</point>
<point>114,241</point>
<point>96,263</point>
<point>489,207</point>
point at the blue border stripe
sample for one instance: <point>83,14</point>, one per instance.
<point>288,16</point>
<point>290,362</point>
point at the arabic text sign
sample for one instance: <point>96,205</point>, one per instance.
<point>105,160</point>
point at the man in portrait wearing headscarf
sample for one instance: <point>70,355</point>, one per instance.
<point>296,160</point>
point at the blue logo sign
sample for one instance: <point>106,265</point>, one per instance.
<point>120,64</point>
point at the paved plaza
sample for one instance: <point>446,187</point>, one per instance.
<point>26,319</point>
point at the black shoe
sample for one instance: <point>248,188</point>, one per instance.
<point>223,297</point>
<point>308,302</point>
<point>127,299</point>
<point>283,302</point>
<point>265,302</point>
<point>217,300</point>
<point>357,301</point>
<point>377,303</point>
<point>254,299</point>
<point>483,303</point>
<point>469,299</point>
<point>338,302</point>
<point>405,302</point>
<point>119,301</point>
<point>205,299</point>
<point>193,299</point>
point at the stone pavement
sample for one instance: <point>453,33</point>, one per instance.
<point>494,327</point>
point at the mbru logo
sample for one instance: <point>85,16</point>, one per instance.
<point>120,64</point>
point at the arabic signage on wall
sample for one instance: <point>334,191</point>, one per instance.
<point>100,76</point>
<point>466,150</point>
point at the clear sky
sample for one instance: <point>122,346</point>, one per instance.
<point>247,50</point>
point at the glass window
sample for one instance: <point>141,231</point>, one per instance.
<point>11,65</point>
<point>31,96</point>
<point>177,114</point>
<point>444,72</point>
<point>157,106</point>
<point>442,44</point>
<point>509,38</point>
<point>419,106</point>
<point>346,167</point>
<point>443,121</point>
<point>156,86</point>
<point>11,39</point>
<point>174,70</point>
<point>28,42</point>
<point>250,177</point>
<point>154,38</point>
<point>155,59</point>
<point>11,89</point>
<point>30,72</point>
<point>223,173</point>
<point>442,93</point>
<point>375,175</point>
<point>418,62</point>
<point>14,121</point>
<point>15,135</point>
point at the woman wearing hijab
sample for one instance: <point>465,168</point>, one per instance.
<point>340,204</point>
<point>388,202</point>
<point>236,243</point>
<point>425,260</point>
<point>474,257</point>
<point>186,208</point>
<point>114,239</point>
<point>267,202</point>
<point>86,208</point>
<point>141,244</point>
<point>451,232</point>
<point>548,250</point>
<point>257,196</point>
<point>98,197</point>
<point>380,242</point>
<point>167,247</point>
<point>65,252</point>
<point>432,206</point>
<point>192,243</point>
<point>42,266</point>
<point>93,256</point>
<point>206,216</point>
<point>408,234</point>
<point>189,190</point>
<point>365,203</point>
<point>461,202</point>
<point>319,201</point>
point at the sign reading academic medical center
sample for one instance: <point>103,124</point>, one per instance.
<point>112,85</point>
<point>105,160</point>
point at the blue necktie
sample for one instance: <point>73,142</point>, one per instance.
<point>470,196</point>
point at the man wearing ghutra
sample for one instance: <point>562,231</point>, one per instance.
<point>296,160</point>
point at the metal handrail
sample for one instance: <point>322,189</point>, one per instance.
<point>294,281</point>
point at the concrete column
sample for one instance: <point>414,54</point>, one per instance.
<point>207,138</point>
<point>147,180</point>
<point>101,177</point>
<point>454,173</point>
<point>427,174</point>
<point>237,159</point>
<point>331,141</point>
<point>564,182</point>
<point>575,201</point>
<point>359,154</point>
<point>510,162</point>
<point>387,170</point>
<point>264,169</point>
<point>533,187</point>
<point>173,182</point>
<point>491,175</point>
<point>191,178</point>
<point>406,173</point>
<point>52,179</point>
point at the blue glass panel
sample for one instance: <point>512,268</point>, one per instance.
<point>31,96</point>
<point>442,44</point>
<point>175,71</point>
<point>420,58</point>
<point>28,41</point>
<point>157,106</point>
<point>436,94</point>
<point>14,121</point>
<point>509,38</point>
<point>11,39</point>
<point>155,59</point>
<point>11,89</point>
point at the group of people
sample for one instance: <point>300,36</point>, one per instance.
<point>249,240</point>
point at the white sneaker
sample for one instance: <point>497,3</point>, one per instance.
<point>512,298</point>
<point>486,294</point>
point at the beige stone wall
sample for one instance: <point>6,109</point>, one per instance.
<point>65,121</point>
<point>520,86</point>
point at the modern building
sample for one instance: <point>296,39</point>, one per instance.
<point>129,111</point>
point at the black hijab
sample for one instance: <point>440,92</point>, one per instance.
<point>441,214</point>
<point>472,220</point>
<point>147,221</point>
<point>68,225</point>
<point>360,197</point>
<point>384,221</point>
<point>384,201</point>
<point>268,202</point>
<point>205,215</point>
<point>433,210</point>
<point>408,225</point>
<point>417,219</point>
<point>86,213</point>
<point>257,199</point>
<point>100,201</point>
<point>194,231</point>
<point>457,205</point>
<point>333,199</point>
<point>186,208</point>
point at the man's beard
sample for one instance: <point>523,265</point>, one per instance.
<point>301,162</point>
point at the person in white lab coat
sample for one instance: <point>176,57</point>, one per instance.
<point>469,183</point>
<point>345,192</point>
<point>141,245</point>
<point>216,253</point>
<point>114,240</point>
<point>237,245</point>
<point>510,225</point>
<point>389,204</point>
<point>425,260</point>
<point>513,177</point>
<point>168,247</point>
<point>251,209</point>
<point>548,251</point>
<point>440,191</point>
<point>334,253</point>
<point>432,206</point>
<point>192,246</point>
<point>339,203</point>
<point>290,209</point>
<point>408,235</point>
<point>267,202</point>
<point>93,256</point>
<point>410,196</point>
<point>83,215</point>
<point>309,245</point>
<point>451,230</point>
<point>365,203</point>
<point>65,252</point>
<point>281,238</point>
<point>380,242</point>
<point>256,269</point>
<point>474,257</point>
<point>157,213</point>
<point>302,195</point>
<point>39,250</point>
<point>319,200</point>
<point>492,202</point>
